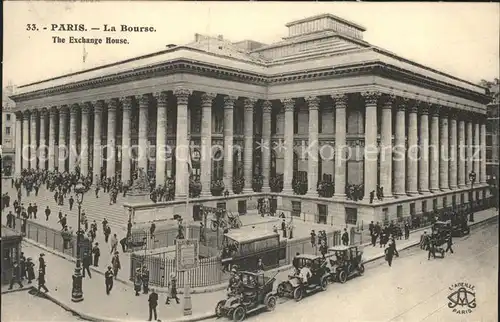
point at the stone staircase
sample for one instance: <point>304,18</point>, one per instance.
<point>95,208</point>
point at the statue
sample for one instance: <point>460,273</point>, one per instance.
<point>141,184</point>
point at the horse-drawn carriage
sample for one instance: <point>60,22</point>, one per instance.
<point>441,231</point>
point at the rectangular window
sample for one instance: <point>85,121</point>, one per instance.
<point>412,209</point>
<point>8,117</point>
<point>424,206</point>
<point>399,213</point>
<point>351,216</point>
<point>296,208</point>
<point>327,177</point>
<point>385,215</point>
<point>434,204</point>
<point>295,122</point>
<point>7,130</point>
<point>489,140</point>
<point>445,202</point>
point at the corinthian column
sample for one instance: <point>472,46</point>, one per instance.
<point>228,142</point>
<point>371,149</point>
<point>444,158</point>
<point>289,104</point>
<point>461,154</point>
<point>386,148</point>
<point>313,149</point>
<point>206,143</point>
<point>423,165</point>
<point>19,144</point>
<point>26,139</point>
<point>470,150</point>
<point>434,149</point>
<point>111,148</point>
<point>73,153</point>
<point>399,158</point>
<point>412,160</point>
<point>265,147</point>
<point>248,144</point>
<point>340,101</point>
<point>453,151</point>
<point>477,152</point>
<point>63,148</point>
<point>33,145</point>
<point>52,138</point>
<point>97,160</point>
<point>182,144</point>
<point>42,155</point>
<point>126,141</point>
<point>143,131</point>
<point>84,150</point>
<point>161,137</point>
<point>483,153</point>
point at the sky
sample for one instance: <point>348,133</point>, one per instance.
<point>461,39</point>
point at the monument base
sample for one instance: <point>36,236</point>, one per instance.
<point>138,197</point>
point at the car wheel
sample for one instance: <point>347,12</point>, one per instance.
<point>324,283</point>
<point>342,277</point>
<point>218,309</point>
<point>239,314</point>
<point>361,269</point>
<point>298,294</point>
<point>271,303</point>
<point>281,290</point>
<point>214,226</point>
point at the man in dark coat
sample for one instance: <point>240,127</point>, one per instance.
<point>71,202</point>
<point>22,265</point>
<point>97,253</point>
<point>30,270</point>
<point>108,279</point>
<point>153,303</point>
<point>16,276</point>
<point>345,238</point>
<point>41,262</point>
<point>389,252</point>
<point>145,279</point>
<point>41,281</point>
<point>47,213</point>
<point>86,262</point>
<point>449,242</point>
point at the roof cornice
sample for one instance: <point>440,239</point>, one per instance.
<point>222,72</point>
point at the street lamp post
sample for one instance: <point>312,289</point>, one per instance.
<point>77,290</point>
<point>472,179</point>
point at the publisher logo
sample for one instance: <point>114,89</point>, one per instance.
<point>462,298</point>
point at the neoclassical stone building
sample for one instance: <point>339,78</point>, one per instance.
<point>322,83</point>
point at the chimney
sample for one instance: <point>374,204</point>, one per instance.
<point>220,37</point>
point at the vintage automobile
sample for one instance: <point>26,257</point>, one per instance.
<point>256,294</point>
<point>294,287</point>
<point>457,225</point>
<point>345,261</point>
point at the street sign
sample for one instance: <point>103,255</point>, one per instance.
<point>186,254</point>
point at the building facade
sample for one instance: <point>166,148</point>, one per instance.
<point>8,132</point>
<point>252,110</point>
<point>492,133</point>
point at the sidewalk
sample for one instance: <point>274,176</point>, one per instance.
<point>122,304</point>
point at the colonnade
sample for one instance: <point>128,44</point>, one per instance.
<point>432,147</point>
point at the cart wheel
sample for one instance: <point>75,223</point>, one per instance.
<point>298,293</point>
<point>361,269</point>
<point>218,308</point>
<point>239,314</point>
<point>324,283</point>
<point>214,226</point>
<point>281,290</point>
<point>342,277</point>
<point>271,303</point>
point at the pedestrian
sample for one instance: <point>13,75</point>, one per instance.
<point>47,213</point>
<point>449,242</point>
<point>41,281</point>
<point>137,281</point>
<point>152,230</point>
<point>22,265</point>
<point>145,279</point>
<point>431,248</point>
<point>115,261</point>
<point>16,276</point>
<point>30,270</point>
<point>260,266</point>
<point>283,227</point>
<point>86,262</point>
<point>345,238</point>
<point>389,253</point>
<point>313,239</point>
<point>153,303</point>
<point>123,243</point>
<point>71,202</point>
<point>108,279</point>
<point>97,253</point>
<point>114,243</point>
<point>407,231</point>
<point>172,289</point>
<point>41,262</point>
<point>323,249</point>
<point>107,232</point>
